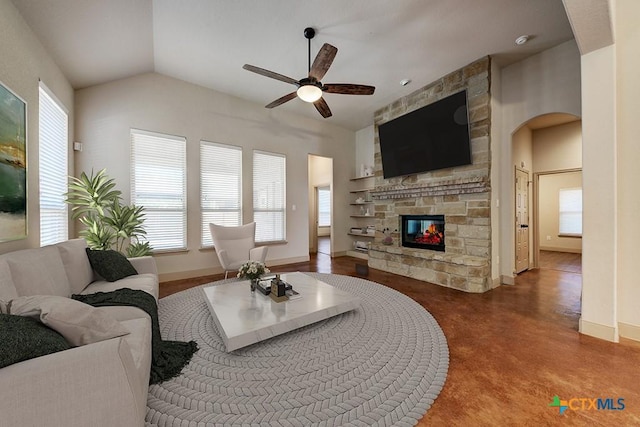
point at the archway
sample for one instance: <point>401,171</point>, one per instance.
<point>547,144</point>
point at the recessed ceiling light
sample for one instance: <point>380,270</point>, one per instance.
<point>405,82</point>
<point>522,40</point>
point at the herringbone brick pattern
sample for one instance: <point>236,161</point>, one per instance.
<point>381,365</point>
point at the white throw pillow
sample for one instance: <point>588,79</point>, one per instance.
<point>77,322</point>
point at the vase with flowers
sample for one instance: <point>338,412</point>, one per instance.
<point>252,270</point>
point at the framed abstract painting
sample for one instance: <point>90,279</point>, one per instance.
<point>13,166</point>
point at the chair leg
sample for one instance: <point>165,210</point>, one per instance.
<point>225,274</point>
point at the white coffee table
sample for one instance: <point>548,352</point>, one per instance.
<point>244,317</point>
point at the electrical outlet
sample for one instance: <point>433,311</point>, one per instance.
<point>548,237</point>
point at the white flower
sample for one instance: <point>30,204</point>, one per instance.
<point>252,270</point>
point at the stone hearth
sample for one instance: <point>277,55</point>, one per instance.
<point>461,194</point>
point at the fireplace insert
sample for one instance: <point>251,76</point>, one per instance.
<point>423,231</point>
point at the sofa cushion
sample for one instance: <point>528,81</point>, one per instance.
<point>38,272</point>
<point>25,338</point>
<point>110,264</point>
<point>144,282</point>
<point>77,322</point>
<point>7,288</point>
<point>76,264</point>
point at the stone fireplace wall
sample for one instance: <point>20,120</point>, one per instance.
<point>461,194</point>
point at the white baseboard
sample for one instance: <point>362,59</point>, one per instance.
<point>507,280</point>
<point>631,332</point>
<point>357,254</point>
<point>495,282</point>
<point>604,332</point>
<point>179,275</point>
<point>284,261</point>
<point>556,249</point>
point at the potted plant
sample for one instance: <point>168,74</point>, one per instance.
<point>108,223</point>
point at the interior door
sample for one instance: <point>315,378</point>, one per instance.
<point>522,220</point>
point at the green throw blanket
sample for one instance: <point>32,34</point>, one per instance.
<point>167,357</point>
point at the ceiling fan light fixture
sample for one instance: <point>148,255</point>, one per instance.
<point>309,93</point>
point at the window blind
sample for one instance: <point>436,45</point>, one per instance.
<point>269,201</point>
<point>220,186</point>
<point>53,171</point>
<point>570,211</point>
<point>158,182</point>
<point>324,207</point>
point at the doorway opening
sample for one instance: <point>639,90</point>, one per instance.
<point>320,205</point>
<point>550,143</point>
<point>323,214</point>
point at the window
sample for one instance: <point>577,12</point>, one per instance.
<point>324,207</point>
<point>269,196</point>
<point>220,186</point>
<point>158,182</point>
<point>54,170</point>
<point>571,211</point>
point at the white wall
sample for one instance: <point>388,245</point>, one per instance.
<point>599,317</point>
<point>545,83</point>
<point>23,61</point>
<point>549,212</point>
<point>364,149</point>
<point>105,114</point>
<point>627,64</point>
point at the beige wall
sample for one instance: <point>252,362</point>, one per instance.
<point>522,155</point>
<point>496,172</point>
<point>23,61</point>
<point>105,114</point>
<point>320,175</point>
<point>545,83</point>
<point>627,65</point>
<point>549,206</point>
<point>557,148</point>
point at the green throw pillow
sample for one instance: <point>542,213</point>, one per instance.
<point>110,264</point>
<point>23,338</point>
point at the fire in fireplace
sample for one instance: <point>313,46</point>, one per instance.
<point>423,231</point>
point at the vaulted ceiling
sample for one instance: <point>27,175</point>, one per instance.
<point>206,42</point>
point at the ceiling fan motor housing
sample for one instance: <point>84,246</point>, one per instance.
<point>309,33</point>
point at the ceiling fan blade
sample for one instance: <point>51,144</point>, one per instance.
<point>282,100</point>
<point>271,74</point>
<point>348,89</point>
<point>323,61</point>
<point>323,108</point>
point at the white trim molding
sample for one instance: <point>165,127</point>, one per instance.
<point>631,332</point>
<point>604,332</point>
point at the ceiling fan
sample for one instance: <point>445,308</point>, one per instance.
<point>310,88</point>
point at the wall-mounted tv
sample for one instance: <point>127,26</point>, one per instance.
<point>433,137</point>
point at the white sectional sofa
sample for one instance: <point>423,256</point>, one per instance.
<point>99,384</point>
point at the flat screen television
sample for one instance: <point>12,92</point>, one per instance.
<point>433,137</point>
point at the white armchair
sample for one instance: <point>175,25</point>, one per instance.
<point>236,245</point>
